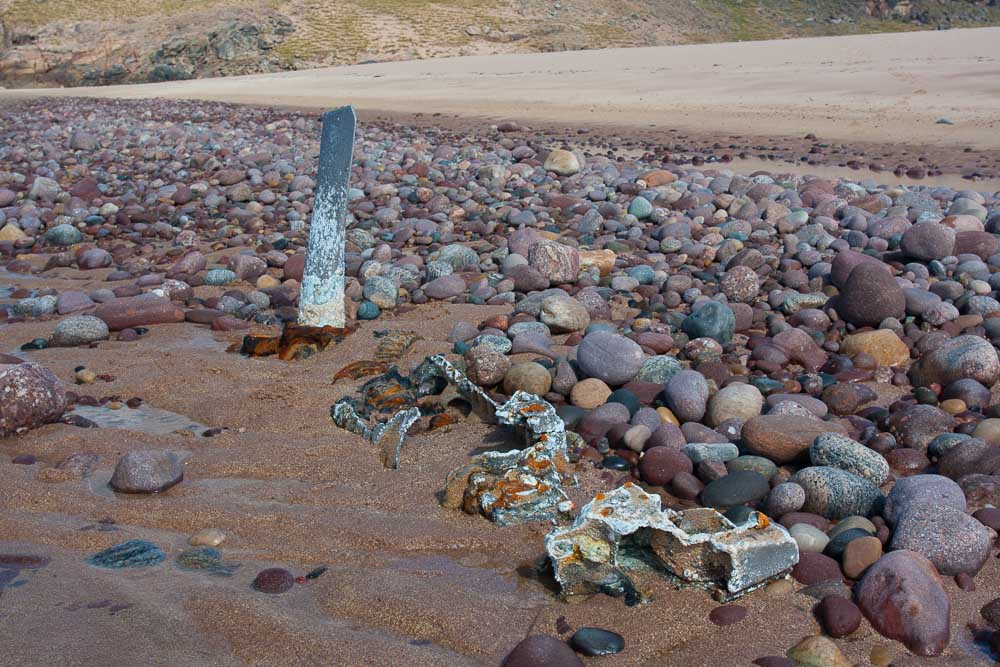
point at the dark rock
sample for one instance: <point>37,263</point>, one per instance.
<point>595,641</point>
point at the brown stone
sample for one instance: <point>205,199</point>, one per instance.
<point>129,312</point>
<point>882,344</point>
<point>783,438</point>
<point>860,554</point>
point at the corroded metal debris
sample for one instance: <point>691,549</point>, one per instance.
<point>361,369</point>
<point>507,487</point>
<point>387,436</point>
<point>394,344</point>
<point>625,531</point>
<point>524,484</point>
<point>295,342</point>
<point>479,401</point>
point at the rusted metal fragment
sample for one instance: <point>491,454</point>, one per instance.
<point>588,555</point>
<point>300,341</point>
<point>527,484</point>
<point>361,369</point>
<point>626,530</point>
<point>295,342</point>
<point>480,402</point>
<point>394,344</point>
<point>388,436</point>
<point>259,345</point>
<point>706,549</point>
<point>507,487</point>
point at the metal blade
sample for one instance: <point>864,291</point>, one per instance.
<point>321,300</point>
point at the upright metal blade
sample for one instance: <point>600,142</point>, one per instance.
<point>321,300</point>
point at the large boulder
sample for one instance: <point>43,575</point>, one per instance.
<point>957,358</point>
<point>870,295</point>
<point>928,240</point>
<point>902,597</point>
<point>30,395</point>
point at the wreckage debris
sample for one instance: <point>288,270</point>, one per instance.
<point>387,436</point>
<point>626,530</point>
<point>295,341</point>
<point>361,369</point>
<point>394,344</point>
<point>507,487</point>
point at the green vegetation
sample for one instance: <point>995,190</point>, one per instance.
<point>40,12</point>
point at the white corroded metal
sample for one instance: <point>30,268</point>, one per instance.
<point>321,299</point>
<point>696,547</point>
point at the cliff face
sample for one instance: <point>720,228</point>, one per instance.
<point>100,42</point>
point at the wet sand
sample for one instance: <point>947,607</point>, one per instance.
<point>408,580</point>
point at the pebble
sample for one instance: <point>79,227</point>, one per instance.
<point>273,580</point>
<point>31,396</point>
<point>839,451</point>
<point>835,493</point>
<point>838,616</point>
<point>134,553</point>
<point>784,498</point>
<point>736,401</point>
<point>962,357</point>
<point>686,394</point>
<point>817,651</point>
<point>207,537</point>
<point>809,538</point>
<point>538,650</point>
<point>948,537</point>
<point>563,314</point>
<point>589,393</point>
<point>860,554</point>
<point>609,357</point>
<point>79,330</point>
<point>658,465</point>
<point>784,438</point>
<point>727,614</point>
<point>918,490</point>
<point>882,344</point>
<point>870,295</point>
<point>712,320</point>
<point>736,488</point>
<point>593,642</point>
<point>527,376</point>
<point>485,366</point>
<point>147,471</point>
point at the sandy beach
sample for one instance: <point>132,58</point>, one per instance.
<point>888,88</point>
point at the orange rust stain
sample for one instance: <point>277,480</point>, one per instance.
<point>762,521</point>
<point>599,497</point>
<point>440,421</point>
<point>360,369</point>
<point>509,493</point>
<point>538,464</point>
